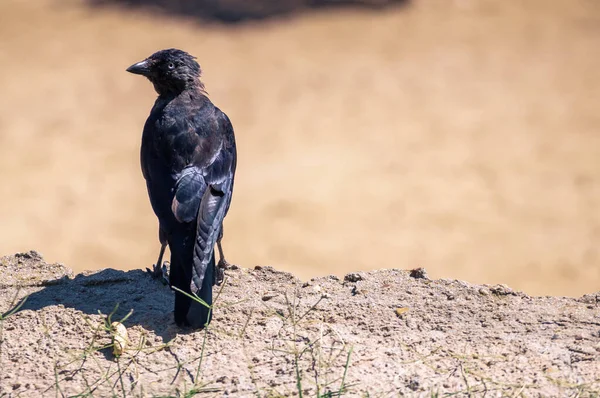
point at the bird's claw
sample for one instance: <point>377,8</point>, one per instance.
<point>160,272</point>
<point>220,270</point>
<point>223,264</point>
<point>220,275</point>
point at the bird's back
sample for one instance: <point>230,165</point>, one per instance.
<point>169,141</point>
<point>188,145</point>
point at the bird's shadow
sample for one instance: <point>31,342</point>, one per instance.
<point>117,292</point>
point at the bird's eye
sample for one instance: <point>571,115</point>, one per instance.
<point>171,65</point>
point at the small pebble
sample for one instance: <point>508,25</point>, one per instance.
<point>353,277</point>
<point>418,273</point>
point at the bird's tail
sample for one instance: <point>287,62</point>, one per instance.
<point>210,221</point>
<point>189,312</point>
<point>199,315</point>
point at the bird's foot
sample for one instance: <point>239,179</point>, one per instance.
<point>223,264</point>
<point>160,272</point>
<point>220,271</point>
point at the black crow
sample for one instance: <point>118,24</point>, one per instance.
<point>188,158</point>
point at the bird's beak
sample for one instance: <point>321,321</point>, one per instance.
<point>141,68</point>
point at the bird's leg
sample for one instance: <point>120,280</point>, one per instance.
<point>160,269</point>
<point>223,264</point>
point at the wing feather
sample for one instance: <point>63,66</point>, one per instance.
<point>203,192</point>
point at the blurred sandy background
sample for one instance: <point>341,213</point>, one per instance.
<point>461,136</point>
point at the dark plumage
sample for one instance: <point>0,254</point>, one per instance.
<point>188,158</point>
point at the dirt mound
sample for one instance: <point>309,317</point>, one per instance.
<point>459,136</point>
<point>380,332</point>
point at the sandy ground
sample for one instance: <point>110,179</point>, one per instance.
<point>461,136</point>
<point>380,333</point>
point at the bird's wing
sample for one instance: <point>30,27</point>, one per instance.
<point>203,190</point>
<point>189,188</point>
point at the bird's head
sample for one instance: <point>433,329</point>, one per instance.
<point>171,71</point>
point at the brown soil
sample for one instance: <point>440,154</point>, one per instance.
<point>390,331</point>
<point>461,136</point>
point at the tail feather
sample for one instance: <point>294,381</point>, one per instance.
<point>210,219</point>
<point>189,312</point>
<point>199,315</point>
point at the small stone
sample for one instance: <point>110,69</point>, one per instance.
<point>120,338</point>
<point>502,290</point>
<point>401,311</point>
<point>353,277</point>
<point>418,273</point>
<point>32,254</point>
<point>269,295</point>
<point>414,383</point>
<point>222,379</point>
